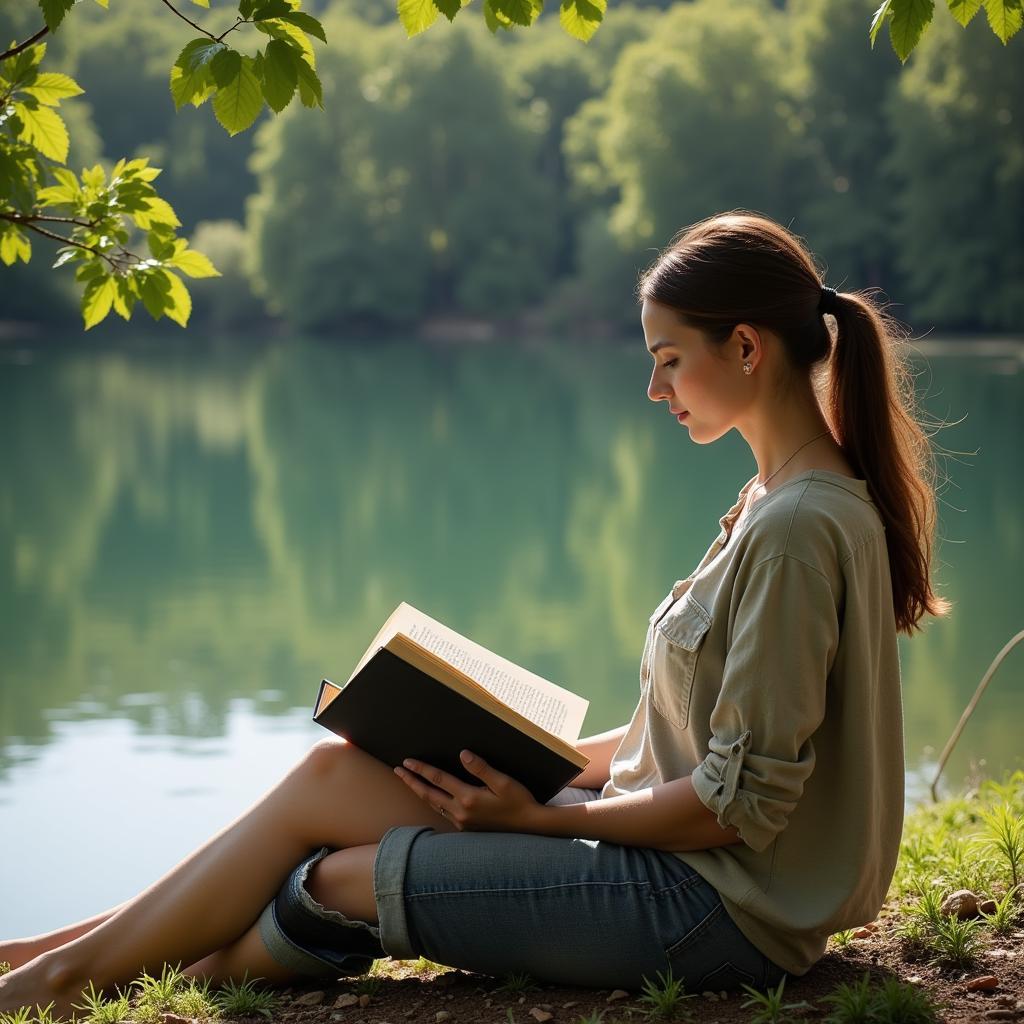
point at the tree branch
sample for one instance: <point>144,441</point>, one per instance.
<point>198,28</point>
<point>70,241</point>
<point>21,218</point>
<point>15,50</point>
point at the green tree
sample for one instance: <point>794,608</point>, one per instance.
<point>396,205</point>
<point>958,164</point>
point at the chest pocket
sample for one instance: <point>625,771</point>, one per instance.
<point>678,638</point>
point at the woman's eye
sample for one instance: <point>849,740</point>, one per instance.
<point>669,363</point>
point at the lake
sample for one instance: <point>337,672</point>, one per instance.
<point>192,536</point>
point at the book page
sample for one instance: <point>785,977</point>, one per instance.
<point>553,708</point>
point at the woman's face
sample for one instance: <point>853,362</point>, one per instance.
<point>699,383</point>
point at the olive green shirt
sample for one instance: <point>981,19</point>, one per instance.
<point>771,677</point>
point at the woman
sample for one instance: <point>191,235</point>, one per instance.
<point>753,804</point>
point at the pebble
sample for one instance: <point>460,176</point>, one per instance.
<point>488,1002</point>
<point>309,999</point>
<point>863,933</point>
<point>915,979</point>
<point>723,994</point>
<point>539,1015</point>
<point>364,1000</point>
<point>442,1015</point>
<point>174,1018</point>
<point>963,903</point>
<point>346,999</point>
<point>983,983</point>
<point>619,993</point>
<point>711,997</point>
<point>570,1004</point>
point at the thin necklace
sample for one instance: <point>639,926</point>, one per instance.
<point>804,445</point>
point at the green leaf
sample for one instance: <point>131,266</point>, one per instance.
<point>155,211</point>
<point>280,74</point>
<point>50,88</point>
<point>416,15</point>
<point>55,195</point>
<point>246,7</point>
<point>519,12</point>
<point>194,87</point>
<point>449,8</point>
<point>964,10</point>
<point>198,53</point>
<point>202,3</point>
<point>237,105</point>
<point>14,245</point>
<point>878,19</point>
<point>491,18</point>
<point>179,302</point>
<point>311,92</point>
<point>97,299</point>
<point>125,297</point>
<point>270,9</point>
<point>193,263</point>
<point>154,290</point>
<point>278,28</point>
<point>94,177</point>
<point>44,128</point>
<point>909,19</point>
<point>1004,18</point>
<point>103,3</point>
<point>23,64</point>
<point>581,18</point>
<point>54,11</point>
<point>226,67</point>
<point>307,23</point>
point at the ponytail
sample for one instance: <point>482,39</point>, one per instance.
<point>870,406</point>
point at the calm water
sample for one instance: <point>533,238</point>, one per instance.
<point>189,541</point>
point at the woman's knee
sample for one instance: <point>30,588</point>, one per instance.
<point>330,757</point>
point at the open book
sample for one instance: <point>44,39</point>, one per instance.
<point>423,691</point>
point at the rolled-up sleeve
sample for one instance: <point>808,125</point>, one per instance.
<point>784,635</point>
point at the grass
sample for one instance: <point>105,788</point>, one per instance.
<point>516,984</point>
<point>666,998</point>
<point>768,1008</point>
<point>892,1002</point>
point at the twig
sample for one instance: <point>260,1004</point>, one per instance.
<point>21,218</point>
<point>15,50</point>
<point>969,710</point>
<point>198,28</point>
<point>78,245</point>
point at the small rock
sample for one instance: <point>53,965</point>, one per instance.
<point>983,983</point>
<point>346,999</point>
<point>570,1004</point>
<point>914,979</point>
<point>539,1015</point>
<point>488,1002</point>
<point>442,1015</point>
<point>174,1018</point>
<point>863,933</point>
<point>364,1000</point>
<point>987,906</point>
<point>723,994</point>
<point>307,999</point>
<point>1006,1000</point>
<point>711,997</point>
<point>963,903</point>
<point>619,993</point>
<point>522,999</point>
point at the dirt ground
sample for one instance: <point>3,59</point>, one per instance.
<point>407,996</point>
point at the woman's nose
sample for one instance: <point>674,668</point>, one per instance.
<point>655,389</point>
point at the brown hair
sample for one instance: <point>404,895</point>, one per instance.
<point>742,267</point>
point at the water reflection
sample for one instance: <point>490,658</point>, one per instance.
<point>179,529</point>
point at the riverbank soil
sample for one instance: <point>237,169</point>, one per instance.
<point>429,994</point>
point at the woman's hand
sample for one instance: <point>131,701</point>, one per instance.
<point>501,805</point>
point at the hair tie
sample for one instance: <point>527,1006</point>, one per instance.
<point>829,301</point>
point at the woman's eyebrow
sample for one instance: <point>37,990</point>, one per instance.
<point>660,345</point>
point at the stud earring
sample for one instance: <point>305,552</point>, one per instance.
<point>747,368</point>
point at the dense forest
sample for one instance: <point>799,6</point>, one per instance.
<point>523,180</point>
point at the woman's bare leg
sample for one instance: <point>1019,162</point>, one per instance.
<point>20,951</point>
<point>337,796</point>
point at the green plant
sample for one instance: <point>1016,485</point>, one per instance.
<point>1005,836</point>
<point>854,1004</point>
<point>768,1007</point>
<point>195,1000</point>
<point>20,1016</point>
<point>245,1000</point>
<point>665,999</point>
<point>5,967</point>
<point>98,1010</point>
<point>595,1017</point>
<point>896,1002</point>
<point>1004,918</point>
<point>956,942</point>
<point>368,985</point>
<point>516,984</point>
<point>842,939</point>
<point>43,1015</point>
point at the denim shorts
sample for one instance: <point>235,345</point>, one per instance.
<point>572,912</point>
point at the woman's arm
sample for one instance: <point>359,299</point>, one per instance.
<point>599,748</point>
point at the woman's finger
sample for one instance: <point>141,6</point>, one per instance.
<point>437,798</point>
<point>490,777</point>
<point>441,779</point>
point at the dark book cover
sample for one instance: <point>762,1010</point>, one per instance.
<point>393,710</point>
